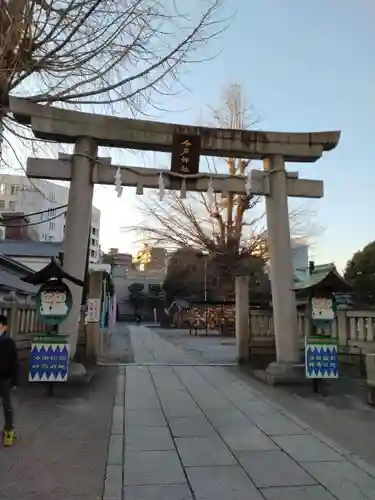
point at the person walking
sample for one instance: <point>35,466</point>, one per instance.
<point>9,372</point>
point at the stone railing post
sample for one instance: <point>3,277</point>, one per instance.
<point>242,319</point>
<point>13,319</point>
<point>342,328</point>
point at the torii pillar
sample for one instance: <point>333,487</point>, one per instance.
<point>280,253</point>
<point>277,184</point>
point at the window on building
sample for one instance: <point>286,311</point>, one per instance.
<point>2,204</point>
<point>12,205</point>
<point>93,242</point>
<point>93,230</point>
<point>14,188</point>
<point>3,188</point>
<point>92,253</point>
<point>52,225</point>
<point>2,232</point>
<point>141,267</point>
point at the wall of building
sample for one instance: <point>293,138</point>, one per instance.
<point>150,258</point>
<point>123,278</point>
<point>119,258</point>
<point>300,259</point>
<point>19,194</point>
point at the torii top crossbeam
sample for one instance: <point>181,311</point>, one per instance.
<point>65,126</point>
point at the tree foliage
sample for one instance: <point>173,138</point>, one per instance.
<point>98,52</point>
<point>360,273</point>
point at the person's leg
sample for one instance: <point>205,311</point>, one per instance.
<point>6,396</point>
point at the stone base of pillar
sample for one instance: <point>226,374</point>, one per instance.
<point>93,342</point>
<point>77,372</point>
<point>278,373</point>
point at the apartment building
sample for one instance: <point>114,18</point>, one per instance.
<point>19,194</point>
<point>150,258</point>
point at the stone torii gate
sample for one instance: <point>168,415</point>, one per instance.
<point>83,169</point>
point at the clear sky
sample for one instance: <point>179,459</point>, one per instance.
<point>306,66</point>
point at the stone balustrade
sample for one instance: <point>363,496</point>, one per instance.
<point>22,319</point>
<point>352,328</point>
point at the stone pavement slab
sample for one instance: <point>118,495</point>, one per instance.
<point>343,479</point>
<point>143,468</point>
<point>145,418</point>
<point>201,451</point>
<point>297,493</point>
<point>246,439</point>
<point>148,439</point>
<point>155,492</point>
<point>222,483</point>
<point>199,432</point>
<point>191,426</point>
<point>273,468</point>
<point>307,449</point>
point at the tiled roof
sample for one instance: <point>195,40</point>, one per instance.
<point>319,274</point>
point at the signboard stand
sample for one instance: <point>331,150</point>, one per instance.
<point>321,351</point>
<point>49,355</point>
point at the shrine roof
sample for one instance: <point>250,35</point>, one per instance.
<point>323,275</point>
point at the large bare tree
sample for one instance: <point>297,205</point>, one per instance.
<point>95,53</point>
<point>232,228</point>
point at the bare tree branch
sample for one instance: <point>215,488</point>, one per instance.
<point>100,52</point>
<point>234,228</point>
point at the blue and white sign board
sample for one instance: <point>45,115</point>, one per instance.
<point>321,358</point>
<point>49,359</point>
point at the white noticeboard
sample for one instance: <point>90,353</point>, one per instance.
<point>322,308</point>
<point>93,310</point>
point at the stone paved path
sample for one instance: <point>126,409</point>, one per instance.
<point>184,431</point>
